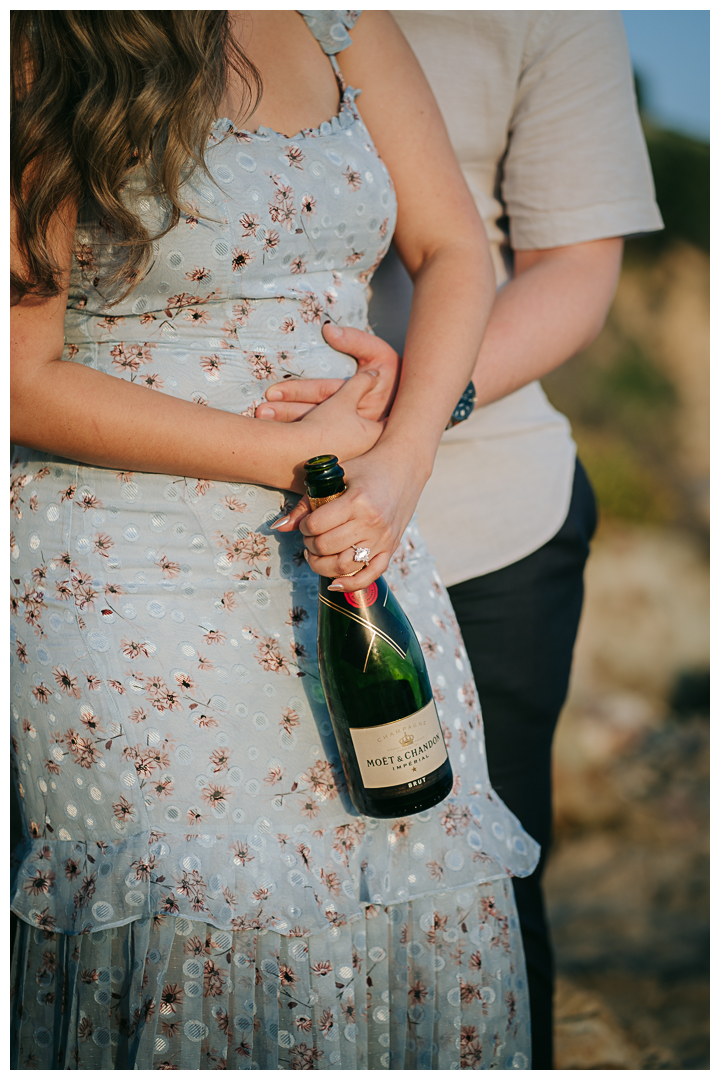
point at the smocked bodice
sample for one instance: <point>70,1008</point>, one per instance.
<point>282,235</point>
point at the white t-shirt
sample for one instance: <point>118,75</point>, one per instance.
<point>541,112</point>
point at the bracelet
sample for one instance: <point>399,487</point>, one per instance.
<point>464,407</point>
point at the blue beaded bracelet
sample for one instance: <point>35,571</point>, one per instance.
<point>464,407</point>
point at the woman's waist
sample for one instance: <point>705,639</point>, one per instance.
<point>225,354</point>
<point>281,305</point>
<point>231,375</point>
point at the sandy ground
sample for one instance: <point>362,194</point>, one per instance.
<point>627,883</point>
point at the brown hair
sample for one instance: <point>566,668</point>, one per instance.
<point>96,93</point>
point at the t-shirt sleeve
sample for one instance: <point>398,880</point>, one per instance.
<point>576,167</point>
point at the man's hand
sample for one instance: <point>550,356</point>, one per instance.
<point>294,398</point>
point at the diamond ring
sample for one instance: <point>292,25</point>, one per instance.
<point>362,554</point>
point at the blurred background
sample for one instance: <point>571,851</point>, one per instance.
<point>628,881</point>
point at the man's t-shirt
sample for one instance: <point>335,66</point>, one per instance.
<point>541,111</point>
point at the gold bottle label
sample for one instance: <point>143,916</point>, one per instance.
<point>314,503</point>
<point>401,752</point>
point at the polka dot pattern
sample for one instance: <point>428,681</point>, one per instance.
<point>173,753</point>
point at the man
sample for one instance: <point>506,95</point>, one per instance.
<point>541,112</point>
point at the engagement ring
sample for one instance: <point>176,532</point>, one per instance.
<point>362,554</point>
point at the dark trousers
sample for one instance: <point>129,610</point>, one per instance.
<point>519,625</point>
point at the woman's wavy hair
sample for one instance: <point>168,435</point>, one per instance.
<point>96,93</point>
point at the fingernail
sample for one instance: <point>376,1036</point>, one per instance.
<point>273,394</point>
<point>374,374</point>
<point>267,413</point>
<point>278,524</point>
<point>306,554</point>
<point>336,588</point>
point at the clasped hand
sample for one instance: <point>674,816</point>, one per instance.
<point>381,489</point>
<point>293,399</point>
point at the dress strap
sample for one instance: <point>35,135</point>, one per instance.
<point>331,29</point>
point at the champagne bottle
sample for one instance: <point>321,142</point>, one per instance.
<point>377,687</point>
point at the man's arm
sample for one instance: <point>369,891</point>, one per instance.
<point>554,306</point>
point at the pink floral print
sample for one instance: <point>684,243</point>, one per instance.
<point>181,789</point>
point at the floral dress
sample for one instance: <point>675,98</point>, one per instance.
<point>194,887</point>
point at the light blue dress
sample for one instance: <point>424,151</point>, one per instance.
<point>195,888</point>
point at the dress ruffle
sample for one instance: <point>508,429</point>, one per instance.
<point>294,883</point>
<point>431,984</point>
<point>345,116</point>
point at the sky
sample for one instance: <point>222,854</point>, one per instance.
<point>670,50</point>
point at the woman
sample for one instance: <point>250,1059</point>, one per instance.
<point>195,889</point>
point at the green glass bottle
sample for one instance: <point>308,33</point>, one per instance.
<point>377,688</point>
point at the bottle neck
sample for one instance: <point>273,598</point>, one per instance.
<point>324,480</point>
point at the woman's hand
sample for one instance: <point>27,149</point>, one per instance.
<point>382,492</point>
<point>148,431</point>
<point>337,426</point>
<point>294,398</point>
